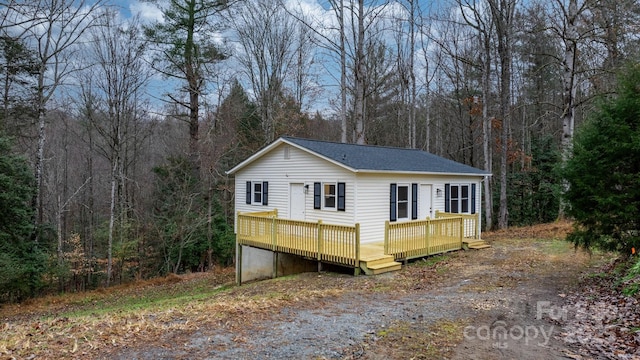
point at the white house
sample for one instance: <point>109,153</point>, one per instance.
<point>347,184</point>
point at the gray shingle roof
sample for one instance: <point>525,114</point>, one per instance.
<point>380,158</point>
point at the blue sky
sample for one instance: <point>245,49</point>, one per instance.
<point>325,65</point>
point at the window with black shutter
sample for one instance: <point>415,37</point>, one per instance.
<point>341,196</point>
<point>460,198</point>
<point>265,193</point>
<point>414,201</point>
<point>473,198</point>
<point>393,211</point>
<point>317,195</point>
<point>257,193</point>
<point>329,196</point>
<point>404,202</point>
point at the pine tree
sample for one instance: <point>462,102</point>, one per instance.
<point>604,172</point>
<point>21,261</point>
<point>185,51</point>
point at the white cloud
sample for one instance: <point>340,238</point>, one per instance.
<point>148,12</point>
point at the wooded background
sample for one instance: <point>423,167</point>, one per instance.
<point>126,125</point>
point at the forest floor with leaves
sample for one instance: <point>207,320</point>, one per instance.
<point>529,296</point>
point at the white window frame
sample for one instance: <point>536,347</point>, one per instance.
<point>325,196</point>
<point>254,192</point>
<point>408,202</point>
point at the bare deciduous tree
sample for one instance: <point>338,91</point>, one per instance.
<point>53,28</point>
<point>503,12</point>
<point>119,76</point>
<point>271,51</point>
<point>477,16</point>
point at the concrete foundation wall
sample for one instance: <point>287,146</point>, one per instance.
<point>257,264</point>
<point>291,264</point>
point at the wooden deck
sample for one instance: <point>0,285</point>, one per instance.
<point>340,244</point>
<point>336,244</point>
<point>420,238</point>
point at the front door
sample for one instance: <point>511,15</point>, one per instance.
<point>424,203</point>
<point>296,201</point>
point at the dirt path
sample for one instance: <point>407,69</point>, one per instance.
<point>499,303</point>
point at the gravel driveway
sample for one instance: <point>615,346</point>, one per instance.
<point>498,303</point>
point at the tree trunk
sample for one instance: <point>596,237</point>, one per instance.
<point>502,12</point>
<point>59,230</point>
<point>359,78</point>
<point>176,267</point>
<point>412,75</point>
<point>486,130</point>
<point>112,216</point>
<point>569,89</point>
<point>91,210</point>
<point>115,172</point>
<point>343,75</point>
<point>39,168</point>
<point>194,84</point>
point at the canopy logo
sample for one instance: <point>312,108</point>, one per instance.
<point>500,333</point>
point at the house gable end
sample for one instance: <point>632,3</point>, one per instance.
<point>261,153</point>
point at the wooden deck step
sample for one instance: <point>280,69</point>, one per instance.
<point>383,268</point>
<point>475,244</point>
<point>477,247</point>
<point>376,260</point>
<point>378,264</point>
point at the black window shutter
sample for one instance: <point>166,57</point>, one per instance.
<point>473,198</point>
<point>414,201</point>
<point>341,198</point>
<point>248,200</point>
<point>317,195</point>
<point>392,208</point>
<point>265,193</point>
<point>447,198</point>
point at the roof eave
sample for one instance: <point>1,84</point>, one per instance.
<point>398,172</point>
<point>281,140</point>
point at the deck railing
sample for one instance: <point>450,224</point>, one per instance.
<point>419,238</point>
<point>471,223</point>
<point>338,244</point>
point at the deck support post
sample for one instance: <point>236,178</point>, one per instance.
<point>320,238</point>
<point>427,230</point>
<point>274,273</point>
<point>238,263</point>
<point>461,231</point>
<point>357,260</point>
<point>274,235</point>
<point>386,237</point>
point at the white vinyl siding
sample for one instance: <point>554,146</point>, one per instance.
<point>372,199</point>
